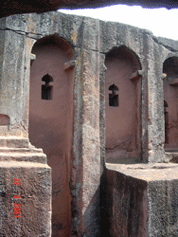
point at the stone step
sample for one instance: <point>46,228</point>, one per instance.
<point>14,142</point>
<point>20,150</point>
<point>23,156</point>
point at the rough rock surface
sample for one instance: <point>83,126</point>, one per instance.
<point>35,196</point>
<point>91,40</point>
<point>9,7</point>
<point>142,200</point>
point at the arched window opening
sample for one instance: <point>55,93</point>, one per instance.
<point>123,125</point>
<point>166,121</point>
<point>113,98</point>
<point>46,89</point>
<point>170,68</point>
<point>170,85</point>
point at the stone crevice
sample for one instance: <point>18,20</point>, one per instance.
<point>26,34</point>
<point>20,32</point>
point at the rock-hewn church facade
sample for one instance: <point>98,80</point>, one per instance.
<point>89,128</point>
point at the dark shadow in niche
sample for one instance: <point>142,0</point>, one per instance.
<point>166,121</point>
<point>113,98</point>
<point>170,67</point>
<point>46,89</point>
<point>4,120</point>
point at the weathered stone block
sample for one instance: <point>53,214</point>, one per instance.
<point>135,208</point>
<point>142,200</point>
<point>32,181</point>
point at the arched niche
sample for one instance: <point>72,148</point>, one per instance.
<point>51,120</point>
<point>170,70</point>
<point>123,133</point>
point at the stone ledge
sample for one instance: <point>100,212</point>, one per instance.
<point>21,155</point>
<point>14,142</point>
<point>21,164</point>
<point>147,172</point>
<point>20,149</point>
<point>172,156</point>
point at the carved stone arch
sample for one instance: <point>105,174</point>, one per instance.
<point>170,68</point>
<point>56,39</point>
<point>123,119</point>
<point>125,51</point>
<point>51,119</point>
<point>170,85</point>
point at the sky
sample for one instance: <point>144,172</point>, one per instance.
<point>160,21</point>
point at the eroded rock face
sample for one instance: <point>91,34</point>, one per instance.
<point>80,141</point>
<point>143,200</point>
<point>9,7</point>
<point>29,214</point>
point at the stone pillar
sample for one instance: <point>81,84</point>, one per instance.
<point>87,144</point>
<point>25,177</point>
<point>152,104</point>
<point>86,178</point>
<point>12,80</point>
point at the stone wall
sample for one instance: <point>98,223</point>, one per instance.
<point>142,200</point>
<point>86,180</point>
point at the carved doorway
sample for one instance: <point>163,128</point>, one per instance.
<point>51,120</point>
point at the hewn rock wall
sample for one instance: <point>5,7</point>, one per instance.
<point>90,37</point>
<point>142,200</point>
<point>32,217</point>
<point>90,40</point>
<point>127,202</point>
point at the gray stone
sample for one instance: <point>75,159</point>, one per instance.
<point>144,199</point>
<point>35,195</point>
<point>128,195</point>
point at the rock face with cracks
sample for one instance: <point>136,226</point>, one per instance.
<point>91,95</point>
